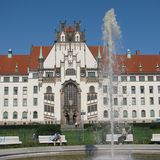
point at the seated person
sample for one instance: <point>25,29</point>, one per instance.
<point>56,137</point>
<point>123,136</point>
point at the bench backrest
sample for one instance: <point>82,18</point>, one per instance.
<point>9,139</point>
<point>116,136</point>
<point>155,135</point>
<point>49,138</point>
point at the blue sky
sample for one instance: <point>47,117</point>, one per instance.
<point>31,22</point>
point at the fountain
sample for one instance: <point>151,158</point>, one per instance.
<point>111,33</point>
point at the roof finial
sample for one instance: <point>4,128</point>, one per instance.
<point>40,53</point>
<point>99,53</point>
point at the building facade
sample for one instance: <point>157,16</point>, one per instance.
<point>65,83</point>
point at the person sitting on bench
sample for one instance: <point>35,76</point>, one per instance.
<point>123,136</point>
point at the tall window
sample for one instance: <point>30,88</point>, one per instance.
<point>105,100</point>
<point>142,89</point>
<point>104,89</point>
<point>133,101</point>
<point>115,101</point>
<point>6,90</point>
<point>24,102</point>
<point>133,89</point>
<point>24,90</point>
<point>24,115</point>
<point>15,90</point>
<point>70,95</point>
<point>15,115</point>
<point>150,89</point>
<point>35,89</point>
<point>158,89</point>
<point>35,114</point>
<point>152,113</point>
<point>142,101</point>
<point>35,101</point>
<point>124,89</point>
<point>115,114</point>
<point>143,113</point>
<point>5,115</point>
<point>151,99</point>
<point>134,114</point>
<point>105,114</point>
<point>124,102</point>
<point>15,102</point>
<point>125,114</point>
<point>6,102</point>
<point>115,89</point>
<point>91,89</point>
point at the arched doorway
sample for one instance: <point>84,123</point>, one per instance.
<point>70,103</point>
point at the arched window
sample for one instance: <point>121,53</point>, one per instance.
<point>115,114</point>
<point>70,95</point>
<point>15,115</point>
<point>35,114</point>
<point>91,89</point>
<point>105,114</point>
<point>24,115</point>
<point>143,113</point>
<point>152,113</point>
<point>134,114</point>
<point>5,115</point>
<point>49,89</point>
<point>125,114</point>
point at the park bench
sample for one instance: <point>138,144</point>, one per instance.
<point>129,138</point>
<point>155,138</point>
<point>6,140</point>
<point>49,139</point>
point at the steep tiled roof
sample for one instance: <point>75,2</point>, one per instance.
<point>136,64</point>
<point>18,64</point>
<point>35,50</point>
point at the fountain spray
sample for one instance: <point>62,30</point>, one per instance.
<point>111,33</point>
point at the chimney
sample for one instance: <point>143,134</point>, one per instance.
<point>10,54</point>
<point>138,52</point>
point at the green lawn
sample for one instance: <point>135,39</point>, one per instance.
<point>90,135</point>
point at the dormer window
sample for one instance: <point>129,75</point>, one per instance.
<point>63,37</point>
<point>77,37</point>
